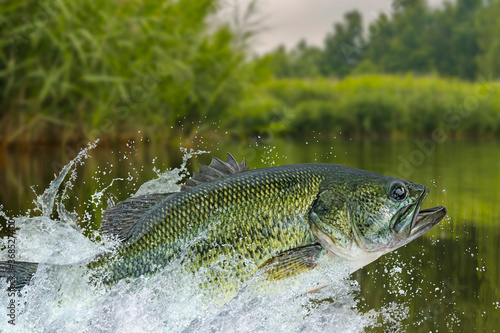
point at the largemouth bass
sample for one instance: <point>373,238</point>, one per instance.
<point>274,220</point>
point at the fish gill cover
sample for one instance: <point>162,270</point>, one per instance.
<point>62,297</point>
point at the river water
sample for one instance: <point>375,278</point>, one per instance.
<point>447,280</point>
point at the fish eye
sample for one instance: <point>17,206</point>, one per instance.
<point>398,192</point>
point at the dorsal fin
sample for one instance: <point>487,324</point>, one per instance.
<point>121,219</point>
<point>217,169</point>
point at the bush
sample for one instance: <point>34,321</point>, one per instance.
<point>383,105</point>
<point>113,67</point>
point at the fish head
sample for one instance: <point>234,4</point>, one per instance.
<point>370,215</point>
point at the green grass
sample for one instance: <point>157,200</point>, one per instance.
<point>88,69</point>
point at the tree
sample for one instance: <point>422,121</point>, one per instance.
<point>402,43</point>
<point>488,27</point>
<point>458,39</point>
<point>344,48</point>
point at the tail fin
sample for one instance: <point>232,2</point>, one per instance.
<point>17,273</point>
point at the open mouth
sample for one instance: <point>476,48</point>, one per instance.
<point>426,219</point>
<point>423,220</point>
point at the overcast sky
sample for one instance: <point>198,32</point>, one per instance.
<point>288,21</point>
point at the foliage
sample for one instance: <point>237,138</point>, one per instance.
<point>72,70</point>
<point>342,47</point>
<point>456,40</point>
<point>488,24</point>
<point>373,105</point>
<point>97,68</point>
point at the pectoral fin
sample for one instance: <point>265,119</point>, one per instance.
<point>291,262</point>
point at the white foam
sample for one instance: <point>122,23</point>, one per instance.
<point>62,299</point>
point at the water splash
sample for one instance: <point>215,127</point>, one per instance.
<point>61,298</point>
<point>45,202</point>
<point>168,181</point>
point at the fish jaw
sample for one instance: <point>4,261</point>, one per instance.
<point>424,221</point>
<point>354,256</point>
<point>357,256</point>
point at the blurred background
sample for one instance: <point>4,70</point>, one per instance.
<point>78,71</point>
<point>404,88</point>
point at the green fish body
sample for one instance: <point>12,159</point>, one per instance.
<point>274,220</point>
<point>256,214</point>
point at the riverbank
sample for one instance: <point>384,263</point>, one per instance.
<point>381,106</point>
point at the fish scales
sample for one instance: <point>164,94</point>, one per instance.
<point>229,223</point>
<point>256,214</point>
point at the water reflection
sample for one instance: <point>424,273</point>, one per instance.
<point>449,284</point>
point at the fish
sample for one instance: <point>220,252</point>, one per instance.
<point>273,221</point>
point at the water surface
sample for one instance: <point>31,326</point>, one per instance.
<point>447,280</point>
